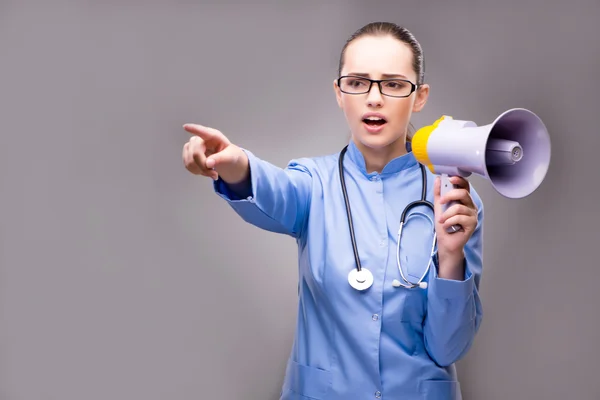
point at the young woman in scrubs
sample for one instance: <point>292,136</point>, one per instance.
<point>387,341</point>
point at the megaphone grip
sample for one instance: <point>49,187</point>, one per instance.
<point>447,186</point>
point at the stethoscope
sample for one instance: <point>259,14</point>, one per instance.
<point>361,278</point>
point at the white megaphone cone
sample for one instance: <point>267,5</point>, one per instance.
<point>513,152</point>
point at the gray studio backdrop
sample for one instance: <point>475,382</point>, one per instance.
<point>124,277</point>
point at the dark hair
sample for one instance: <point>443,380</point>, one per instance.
<point>396,31</point>
<point>400,33</point>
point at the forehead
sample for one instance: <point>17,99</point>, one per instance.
<point>376,55</point>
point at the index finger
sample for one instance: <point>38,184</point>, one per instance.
<point>203,132</point>
<point>460,182</point>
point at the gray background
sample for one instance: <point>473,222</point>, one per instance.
<point>122,276</point>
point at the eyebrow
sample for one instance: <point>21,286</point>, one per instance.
<point>386,76</point>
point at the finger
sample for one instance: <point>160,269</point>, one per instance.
<point>227,156</point>
<point>184,151</point>
<point>204,132</point>
<point>465,221</point>
<point>461,195</point>
<point>197,150</point>
<point>456,209</point>
<point>460,182</point>
<point>188,160</point>
<point>437,188</point>
<point>197,158</point>
<point>185,155</point>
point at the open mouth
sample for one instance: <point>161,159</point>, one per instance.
<point>374,121</point>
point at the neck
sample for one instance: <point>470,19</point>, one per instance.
<point>377,159</point>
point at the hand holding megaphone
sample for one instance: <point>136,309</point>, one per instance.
<point>513,152</point>
<point>455,213</point>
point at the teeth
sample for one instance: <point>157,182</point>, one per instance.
<point>374,119</point>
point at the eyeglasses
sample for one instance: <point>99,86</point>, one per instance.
<point>387,87</point>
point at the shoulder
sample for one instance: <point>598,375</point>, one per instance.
<point>315,165</point>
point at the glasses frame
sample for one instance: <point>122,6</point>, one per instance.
<point>413,86</point>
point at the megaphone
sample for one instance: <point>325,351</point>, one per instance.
<point>513,152</point>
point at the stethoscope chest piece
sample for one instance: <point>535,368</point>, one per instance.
<point>360,280</point>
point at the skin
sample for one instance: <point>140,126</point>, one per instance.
<point>209,152</point>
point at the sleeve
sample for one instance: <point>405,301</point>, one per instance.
<point>274,199</point>
<point>454,310</point>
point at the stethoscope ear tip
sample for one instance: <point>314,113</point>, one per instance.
<point>396,283</point>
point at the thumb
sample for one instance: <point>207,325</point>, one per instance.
<point>226,156</point>
<point>437,187</point>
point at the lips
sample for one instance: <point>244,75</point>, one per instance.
<point>374,122</point>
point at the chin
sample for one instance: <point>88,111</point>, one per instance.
<point>376,142</point>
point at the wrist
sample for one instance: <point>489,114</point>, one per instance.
<point>451,264</point>
<point>237,173</point>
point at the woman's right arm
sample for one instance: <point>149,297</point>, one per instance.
<point>269,197</point>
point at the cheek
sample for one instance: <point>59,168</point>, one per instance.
<point>405,105</point>
<point>402,110</point>
<point>351,108</point>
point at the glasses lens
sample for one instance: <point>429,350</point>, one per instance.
<point>350,84</point>
<point>397,87</point>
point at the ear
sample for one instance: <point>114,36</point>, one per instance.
<point>338,93</point>
<point>421,98</point>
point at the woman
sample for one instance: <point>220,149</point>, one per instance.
<point>358,339</point>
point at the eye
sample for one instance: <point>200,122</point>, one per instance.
<point>356,82</point>
<point>396,84</point>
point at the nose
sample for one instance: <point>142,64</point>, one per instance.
<point>374,97</point>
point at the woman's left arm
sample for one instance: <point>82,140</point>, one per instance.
<point>454,309</point>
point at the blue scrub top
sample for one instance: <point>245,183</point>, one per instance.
<point>384,343</point>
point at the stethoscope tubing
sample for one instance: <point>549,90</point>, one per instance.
<point>366,276</point>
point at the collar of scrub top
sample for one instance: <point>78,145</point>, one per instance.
<point>394,166</point>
